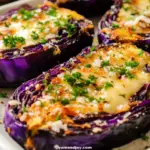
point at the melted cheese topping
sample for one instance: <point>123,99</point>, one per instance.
<point>104,81</point>
<point>133,19</point>
<point>29,27</point>
<point>135,14</point>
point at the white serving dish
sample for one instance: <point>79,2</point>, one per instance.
<point>6,142</point>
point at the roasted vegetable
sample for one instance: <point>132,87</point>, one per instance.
<point>127,21</point>
<point>33,40</point>
<point>85,7</point>
<point>99,97</point>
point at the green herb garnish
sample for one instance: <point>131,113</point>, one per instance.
<point>144,137</point>
<point>49,88</point>
<point>92,78</point>
<point>34,35</point>
<point>43,41</point>
<point>3,95</point>
<point>58,117</point>
<point>26,14</point>
<point>41,104</point>
<point>78,91</point>
<point>133,28</point>
<point>140,52</point>
<point>14,18</point>
<point>126,8</point>
<point>93,48</point>
<point>52,12</point>
<point>114,25</point>
<point>108,85</point>
<point>65,101</point>
<point>12,41</point>
<point>88,66</point>
<point>69,79</point>
<point>124,71</point>
<point>41,29</point>
<point>45,82</point>
<point>105,63</point>
<point>101,99</point>
<point>71,28</point>
<point>65,24</point>
<point>7,24</point>
<point>131,64</point>
<point>130,75</point>
<point>76,75</point>
<point>24,109</point>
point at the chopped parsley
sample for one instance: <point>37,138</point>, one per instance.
<point>140,52</point>
<point>133,28</point>
<point>71,28</point>
<point>41,29</point>
<point>78,91</point>
<point>130,75</point>
<point>26,14</point>
<point>126,8</point>
<point>43,41</point>
<point>101,99</point>
<point>131,64</point>
<point>65,101</point>
<point>7,24</point>
<point>61,22</point>
<point>108,85</point>
<point>52,12</point>
<point>88,66</point>
<point>41,104</point>
<point>24,109</point>
<point>65,24</point>
<point>3,95</point>
<point>58,117</point>
<point>76,75</point>
<point>93,48</point>
<point>105,63</point>
<point>100,57</point>
<point>92,78</point>
<point>34,35</point>
<point>12,41</point>
<point>144,137</point>
<point>123,71</point>
<point>115,25</point>
<point>76,80</point>
<point>14,18</point>
<point>45,82</point>
<point>69,79</point>
<point>49,88</point>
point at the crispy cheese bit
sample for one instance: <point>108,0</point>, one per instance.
<point>9,130</point>
<point>29,143</point>
<point>35,122</point>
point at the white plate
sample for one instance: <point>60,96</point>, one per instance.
<point>6,143</point>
